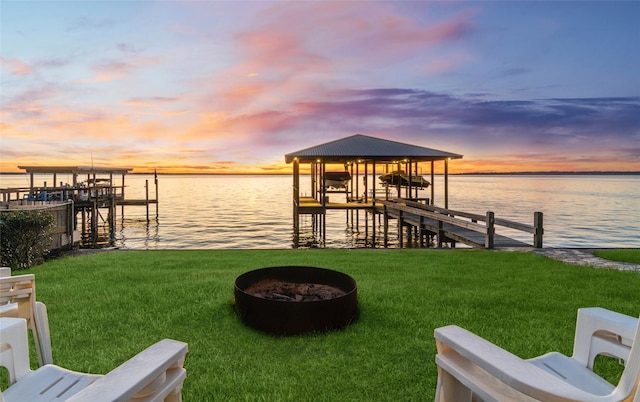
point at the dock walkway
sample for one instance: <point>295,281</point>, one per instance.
<point>426,222</point>
<point>449,226</point>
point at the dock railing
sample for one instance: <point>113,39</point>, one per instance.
<point>448,225</point>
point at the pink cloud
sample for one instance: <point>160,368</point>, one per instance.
<point>111,70</point>
<point>446,64</point>
<point>151,101</point>
<point>306,33</point>
<point>292,52</point>
<point>115,69</point>
<point>16,66</point>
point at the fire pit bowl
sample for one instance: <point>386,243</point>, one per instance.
<point>294,300</point>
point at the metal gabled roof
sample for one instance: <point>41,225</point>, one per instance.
<point>367,148</point>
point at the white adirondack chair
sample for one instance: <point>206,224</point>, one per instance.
<point>18,300</point>
<point>155,374</point>
<point>473,369</point>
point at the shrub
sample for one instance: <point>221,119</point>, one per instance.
<point>25,237</point>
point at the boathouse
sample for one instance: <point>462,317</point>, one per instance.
<point>344,168</point>
<point>360,156</point>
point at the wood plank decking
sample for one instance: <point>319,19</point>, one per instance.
<point>446,226</point>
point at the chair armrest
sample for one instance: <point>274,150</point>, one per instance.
<point>154,373</point>
<point>488,370</point>
<point>44,336</point>
<point>601,331</point>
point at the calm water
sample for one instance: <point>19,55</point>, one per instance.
<point>248,212</point>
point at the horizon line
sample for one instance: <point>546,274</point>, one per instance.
<point>493,173</point>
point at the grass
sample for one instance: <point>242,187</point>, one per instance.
<point>622,255</point>
<point>105,308</point>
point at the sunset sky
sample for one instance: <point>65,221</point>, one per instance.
<point>216,86</point>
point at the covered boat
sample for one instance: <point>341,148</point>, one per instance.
<point>336,179</point>
<point>399,177</point>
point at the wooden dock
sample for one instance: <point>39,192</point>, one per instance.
<point>90,200</point>
<point>449,226</point>
<point>430,224</point>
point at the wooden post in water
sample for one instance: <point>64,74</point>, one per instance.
<point>146,189</point>
<point>490,222</point>
<point>155,179</point>
<point>539,231</point>
<point>94,222</point>
<point>440,235</point>
<point>84,225</point>
<point>386,226</point>
<point>123,197</point>
<point>400,229</point>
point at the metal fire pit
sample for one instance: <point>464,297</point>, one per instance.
<point>292,314</point>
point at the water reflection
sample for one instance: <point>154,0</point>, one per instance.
<point>256,211</point>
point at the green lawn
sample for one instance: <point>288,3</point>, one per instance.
<point>104,308</point>
<point>622,255</point>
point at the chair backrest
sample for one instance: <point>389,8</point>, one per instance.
<point>630,381</point>
<point>18,300</point>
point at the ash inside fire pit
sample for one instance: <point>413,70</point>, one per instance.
<point>295,300</point>
<point>294,292</point>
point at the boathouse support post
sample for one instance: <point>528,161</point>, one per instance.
<point>446,183</point>
<point>365,182</point>
<point>417,174</point>
<point>296,202</point>
<point>433,184</point>
<point>357,177</point>
<point>539,231</point>
<point>351,186</point>
<point>490,223</point>
<point>440,235</point>
<point>312,176</point>
<point>323,186</point>
<point>373,208</point>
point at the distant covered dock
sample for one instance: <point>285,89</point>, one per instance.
<point>92,188</point>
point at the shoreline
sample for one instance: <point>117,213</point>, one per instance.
<point>575,256</point>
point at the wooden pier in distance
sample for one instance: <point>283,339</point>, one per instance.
<point>91,199</point>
